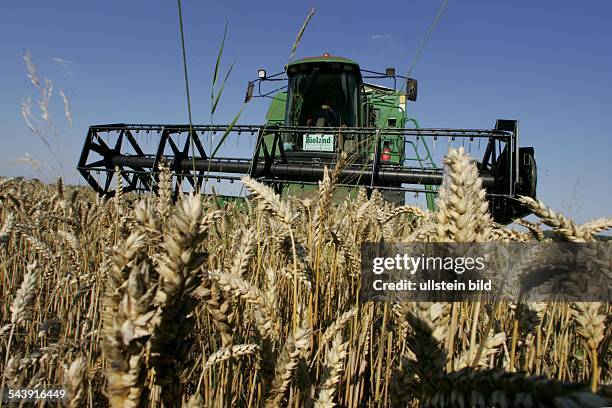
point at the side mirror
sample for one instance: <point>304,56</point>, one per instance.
<point>411,89</point>
<point>249,92</point>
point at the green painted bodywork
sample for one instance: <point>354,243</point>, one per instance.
<point>276,110</point>
<point>237,201</point>
<point>390,108</point>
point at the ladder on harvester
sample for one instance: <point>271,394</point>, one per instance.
<point>424,160</point>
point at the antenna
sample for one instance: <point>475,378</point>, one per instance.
<point>429,32</point>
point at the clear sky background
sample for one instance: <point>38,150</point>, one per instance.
<point>545,63</point>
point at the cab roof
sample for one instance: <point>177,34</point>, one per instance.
<point>323,58</point>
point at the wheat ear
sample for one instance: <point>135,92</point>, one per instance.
<point>75,382</point>
<point>337,325</point>
<point>534,228</point>
<point>281,209</point>
<point>218,307</point>
<point>404,209</point>
<point>597,225</point>
<point>179,270</point>
<point>25,295</point>
<point>463,211</point>
<point>118,198</point>
<point>333,365</point>
<point>20,308</point>
<point>226,353</point>
<point>271,201</point>
<point>564,227</point>
<point>7,228</point>
<point>591,325</point>
<point>296,344</point>
<point>164,191</point>
<point>125,341</point>
<point>490,347</point>
<point>320,215</point>
<point>244,253</point>
<point>268,324</point>
<point>429,327</point>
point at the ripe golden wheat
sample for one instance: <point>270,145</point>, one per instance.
<point>146,301</point>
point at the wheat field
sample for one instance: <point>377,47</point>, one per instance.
<point>150,301</point>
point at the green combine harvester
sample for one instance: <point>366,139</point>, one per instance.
<point>324,107</point>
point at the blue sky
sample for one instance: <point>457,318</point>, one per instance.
<point>545,63</point>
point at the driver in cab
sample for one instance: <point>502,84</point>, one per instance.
<point>325,115</point>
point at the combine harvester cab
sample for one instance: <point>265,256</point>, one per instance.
<point>325,109</point>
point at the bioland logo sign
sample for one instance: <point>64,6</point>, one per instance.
<point>318,142</point>
<point>446,272</point>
